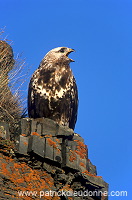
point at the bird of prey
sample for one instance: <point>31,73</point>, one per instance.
<point>52,89</point>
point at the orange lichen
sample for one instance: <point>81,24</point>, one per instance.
<point>72,156</point>
<point>58,141</point>
<point>25,178</point>
<point>4,169</point>
<point>35,133</point>
<point>82,164</point>
<point>52,143</point>
<point>20,180</point>
<point>81,149</point>
<point>25,143</point>
<point>58,150</point>
<point>23,134</point>
<point>48,135</point>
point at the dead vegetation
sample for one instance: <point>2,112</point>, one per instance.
<point>11,80</point>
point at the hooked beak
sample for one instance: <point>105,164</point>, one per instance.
<point>68,52</point>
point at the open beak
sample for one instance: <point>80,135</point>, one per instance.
<point>68,52</point>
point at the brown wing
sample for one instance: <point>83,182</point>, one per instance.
<point>74,105</point>
<point>38,106</point>
<point>62,109</point>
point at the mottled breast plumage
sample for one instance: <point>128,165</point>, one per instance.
<point>52,90</point>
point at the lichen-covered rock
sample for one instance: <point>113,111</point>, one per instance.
<point>48,166</point>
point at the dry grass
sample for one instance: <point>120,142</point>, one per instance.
<point>11,80</point>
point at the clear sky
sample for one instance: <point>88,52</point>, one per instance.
<point>101,33</point>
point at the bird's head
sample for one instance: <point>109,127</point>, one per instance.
<point>59,55</point>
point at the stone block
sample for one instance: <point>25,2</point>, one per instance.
<point>43,126</point>
<point>64,131</point>
<point>22,145</point>
<point>48,153</point>
<point>49,126</point>
<point>35,126</point>
<point>53,149</point>
<point>25,126</point>
<point>73,160</point>
<point>70,159</point>
<point>36,145</point>
<point>71,144</point>
<point>57,150</point>
<point>74,154</point>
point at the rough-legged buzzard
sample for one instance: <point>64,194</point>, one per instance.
<point>52,90</point>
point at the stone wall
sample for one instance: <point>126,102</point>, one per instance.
<point>47,157</point>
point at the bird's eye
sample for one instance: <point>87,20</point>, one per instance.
<point>62,50</point>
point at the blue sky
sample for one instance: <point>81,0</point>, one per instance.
<point>101,33</point>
